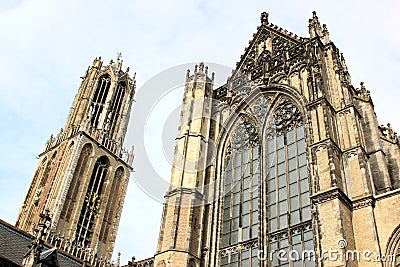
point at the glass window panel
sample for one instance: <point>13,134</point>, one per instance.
<point>308,245</point>
<point>235,223</point>
<point>279,142</point>
<point>254,217</point>
<point>298,263</point>
<point>293,190</point>
<point>280,155</point>
<point>296,239</point>
<point>254,204</point>
<point>283,221</point>
<point>272,224</point>
<point>308,234</point>
<point>292,176</point>
<point>224,259</point>
<point>303,172</point>
<point>246,182</point>
<point>246,220</point>
<point>306,213</point>
<point>234,237</point>
<point>254,230</point>
<point>227,214</point>
<point>246,155</point>
<point>272,197</point>
<point>246,194</point>
<point>229,164</point>
<point>284,242</point>
<point>235,210</point>
<point>246,262</point>
<point>225,240</point>
<point>246,169</point>
<point>292,164</point>
<point>281,168</point>
<point>234,257</point>
<point>282,194</point>
<point>271,159</point>
<point>234,264</point>
<point>254,254</point>
<point>282,207</point>
<point>271,185</point>
<point>236,198</point>
<point>294,217</point>
<point>301,146</point>
<point>237,174</point>
<point>305,199</point>
<point>291,151</point>
<point>304,185</point>
<point>255,152</point>
<point>302,160</point>
<point>254,180</point>
<point>246,207</point>
<point>290,136</point>
<point>228,177</point>
<point>226,226</point>
<point>300,132</point>
<point>227,200</point>
<point>246,233</point>
<point>272,211</point>
<point>294,203</point>
<point>282,181</point>
<point>271,144</point>
<point>255,166</point>
<point>237,159</point>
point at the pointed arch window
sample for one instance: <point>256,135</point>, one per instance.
<point>76,182</point>
<point>98,100</point>
<point>115,109</point>
<point>289,226</point>
<point>92,202</point>
<point>112,205</point>
<point>240,208</point>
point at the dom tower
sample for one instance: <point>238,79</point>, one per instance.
<point>83,172</point>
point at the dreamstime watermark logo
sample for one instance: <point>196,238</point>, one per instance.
<point>339,254</point>
<point>155,120</point>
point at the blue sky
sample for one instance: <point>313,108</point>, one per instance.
<point>47,45</point>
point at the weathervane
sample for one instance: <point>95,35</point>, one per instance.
<point>119,55</point>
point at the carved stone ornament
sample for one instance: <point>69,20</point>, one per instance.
<point>243,134</point>
<point>260,108</point>
<point>286,117</point>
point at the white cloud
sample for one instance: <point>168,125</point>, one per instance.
<point>46,45</point>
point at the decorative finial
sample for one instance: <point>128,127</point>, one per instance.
<point>119,55</point>
<point>201,68</point>
<point>264,18</point>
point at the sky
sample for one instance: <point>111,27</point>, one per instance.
<point>47,45</point>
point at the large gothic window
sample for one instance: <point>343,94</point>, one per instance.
<point>289,228</point>
<point>240,208</point>
<point>92,202</point>
<point>98,100</point>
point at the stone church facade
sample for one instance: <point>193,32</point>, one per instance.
<point>284,165</point>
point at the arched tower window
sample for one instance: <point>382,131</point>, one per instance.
<point>98,100</point>
<point>92,202</point>
<point>240,208</point>
<point>287,196</point>
<point>115,109</point>
<point>112,205</point>
<point>76,182</point>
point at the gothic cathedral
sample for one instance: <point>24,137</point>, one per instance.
<point>284,165</point>
<point>83,172</point>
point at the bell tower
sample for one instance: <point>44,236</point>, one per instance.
<point>83,172</point>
